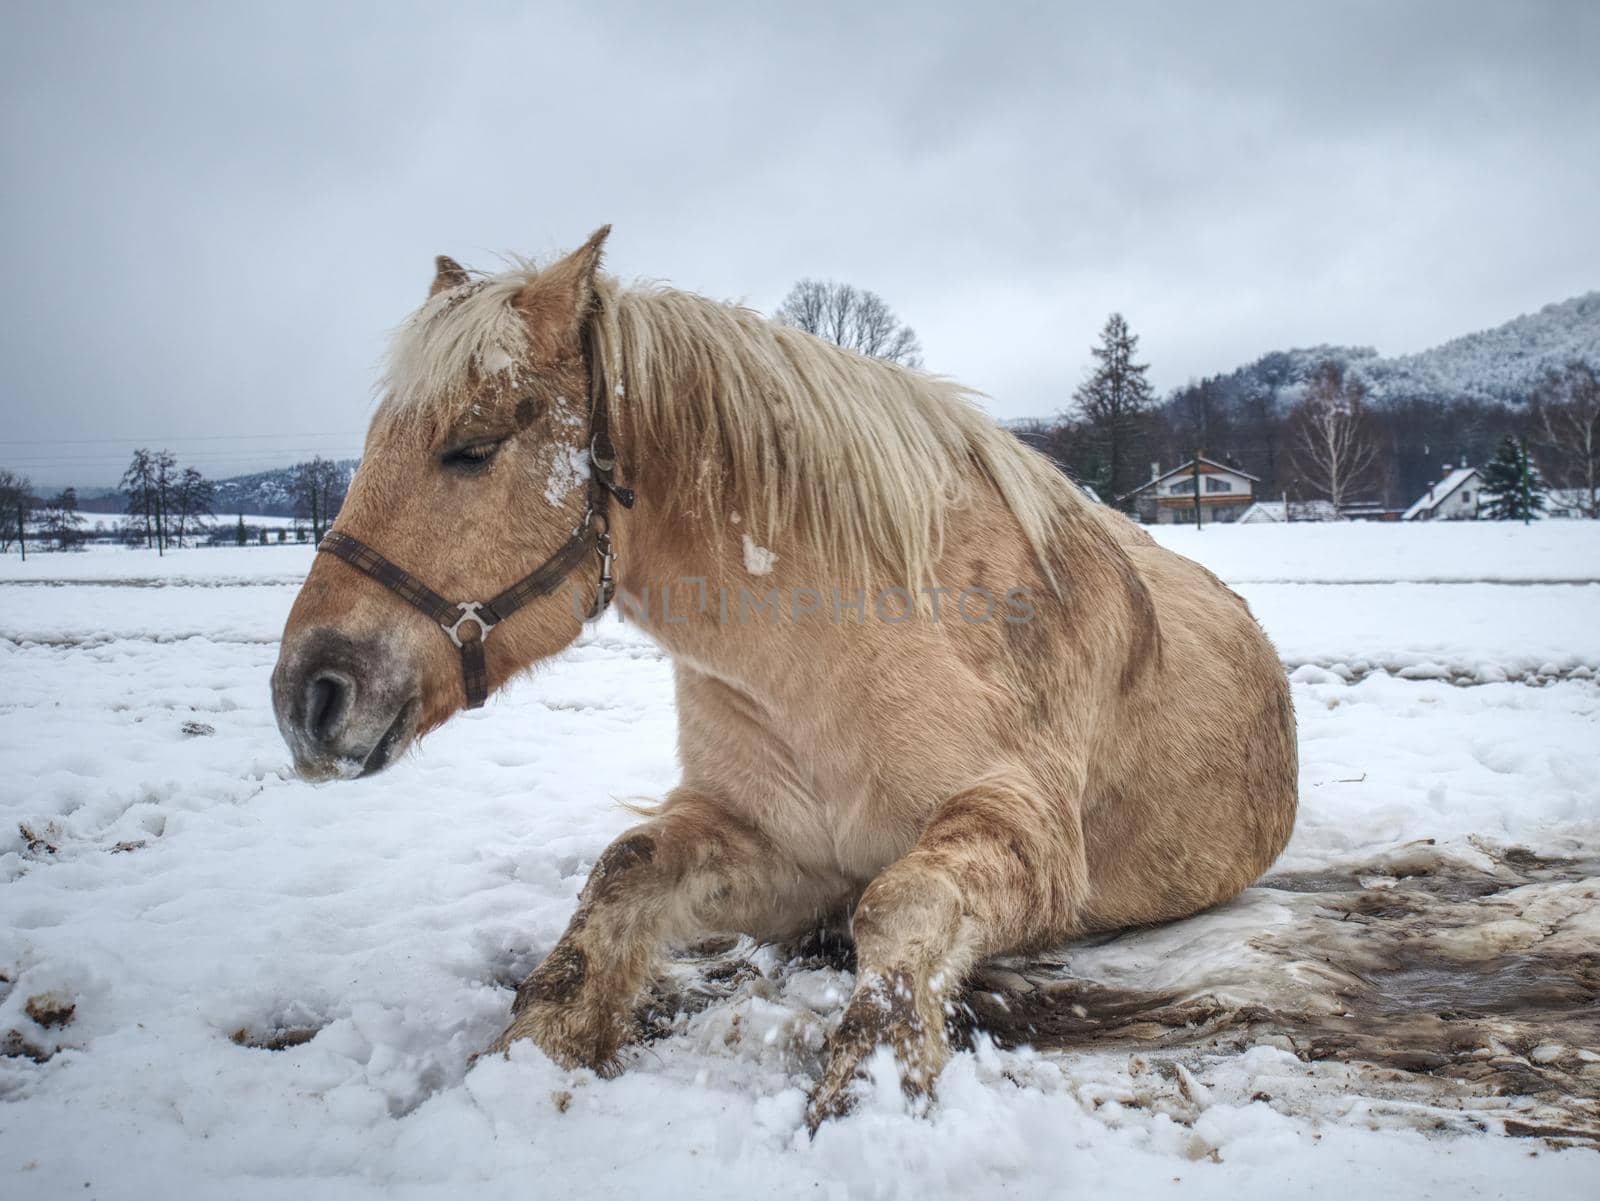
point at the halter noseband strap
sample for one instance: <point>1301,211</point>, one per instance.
<point>468,622</point>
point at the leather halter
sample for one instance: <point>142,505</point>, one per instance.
<point>467,623</point>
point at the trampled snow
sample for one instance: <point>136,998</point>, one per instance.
<point>194,905</point>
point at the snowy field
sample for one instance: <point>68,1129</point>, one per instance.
<point>218,981</point>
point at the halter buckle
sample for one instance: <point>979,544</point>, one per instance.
<point>608,585</point>
<point>469,612</point>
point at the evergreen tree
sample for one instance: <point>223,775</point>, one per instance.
<point>1513,489</point>
<point>1115,403</point>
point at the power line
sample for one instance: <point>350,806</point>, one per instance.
<point>149,438</point>
<point>199,456</point>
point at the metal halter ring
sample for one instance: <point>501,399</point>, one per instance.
<point>469,612</point>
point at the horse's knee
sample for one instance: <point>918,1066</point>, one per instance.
<point>618,863</point>
<point>912,911</point>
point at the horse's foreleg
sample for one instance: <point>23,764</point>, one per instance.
<point>695,869</point>
<point>997,869</point>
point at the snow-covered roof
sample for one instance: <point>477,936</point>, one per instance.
<point>1263,510</point>
<point>1189,466</point>
<point>1298,510</point>
<point>1437,494</point>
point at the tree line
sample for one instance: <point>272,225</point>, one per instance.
<point>164,506</point>
<point>163,502</point>
<point>55,520</point>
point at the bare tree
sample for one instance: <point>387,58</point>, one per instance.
<point>851,317</point>
<point>62,521</point>
<point>1567,408</point>
<point>192,498</point>
<point>16,502</point>
<point>138,486</point>
<point>149,484</point>
<point>1332,442</point>
<point>318,492</point>
<point>164,479</point>
<point>1114,403</point>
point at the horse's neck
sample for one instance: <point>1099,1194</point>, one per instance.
<point>669,574</point>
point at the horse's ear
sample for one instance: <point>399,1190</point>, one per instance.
<point>447,274</point>
<point>558,297</point>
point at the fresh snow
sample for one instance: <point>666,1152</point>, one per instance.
<point>180,888</point>
<point>569,467</point>
<point>758,560</point>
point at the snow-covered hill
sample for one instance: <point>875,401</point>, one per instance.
<point>270,492</point>
<point>1501,364</point>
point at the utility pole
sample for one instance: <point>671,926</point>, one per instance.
<point>22,529</point>
<point>1523,483</point>
<point>1197,455</point>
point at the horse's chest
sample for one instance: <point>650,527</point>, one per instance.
<point>810,781</point>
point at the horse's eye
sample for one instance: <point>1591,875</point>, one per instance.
<point>473,456</point>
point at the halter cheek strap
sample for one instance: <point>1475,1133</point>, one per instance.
<point>467,623</point>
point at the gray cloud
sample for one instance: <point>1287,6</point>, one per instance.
<point>212,214</point>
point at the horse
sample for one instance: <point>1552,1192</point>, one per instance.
<point>929,694</point>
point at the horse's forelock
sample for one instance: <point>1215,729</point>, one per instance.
<point>470,330</point>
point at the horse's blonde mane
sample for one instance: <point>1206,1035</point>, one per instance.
<point>861,458</point>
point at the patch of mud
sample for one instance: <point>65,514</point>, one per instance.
<point>50,1009</point>
<point>1477,975</point>
<point>276,1039</point>
<point>1453,991</point>
<point>39,842</point>
<point>47,1012</point>
<point>97,641</point>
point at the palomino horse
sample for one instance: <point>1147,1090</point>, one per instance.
<point>924,686</point>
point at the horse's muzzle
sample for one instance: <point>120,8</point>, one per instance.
<point>346,706</point>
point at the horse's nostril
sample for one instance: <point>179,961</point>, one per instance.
<point>327,702</point>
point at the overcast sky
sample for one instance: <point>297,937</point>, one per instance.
<point>211,215</point>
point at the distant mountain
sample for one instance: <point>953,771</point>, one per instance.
<point>261,493</point>
<point>1502,364</point>
<point>1496,365</point>
<point>267,493</point>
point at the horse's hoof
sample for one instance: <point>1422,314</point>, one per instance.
<point>570,1037</point>
<point>830,1099</point>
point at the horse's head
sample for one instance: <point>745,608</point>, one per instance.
<point>474,471</point>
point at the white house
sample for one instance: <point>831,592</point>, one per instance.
<point>1168,499</point>
<point>1454,498</point>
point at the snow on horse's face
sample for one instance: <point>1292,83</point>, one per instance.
<point>475,470</point>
